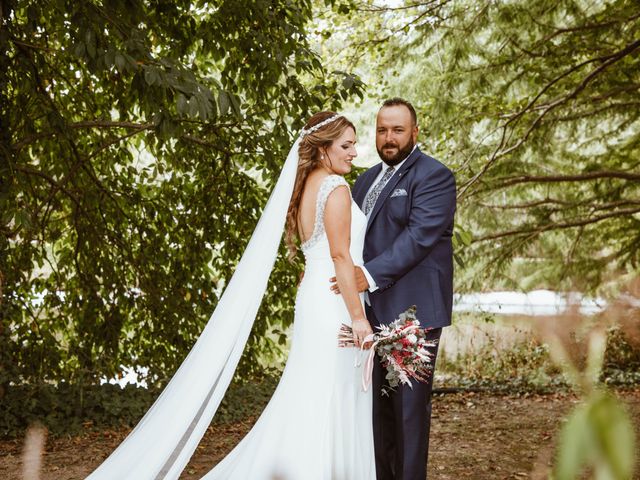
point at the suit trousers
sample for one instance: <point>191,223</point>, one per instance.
<point>401,422</point>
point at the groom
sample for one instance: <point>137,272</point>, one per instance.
<point>409,200</point>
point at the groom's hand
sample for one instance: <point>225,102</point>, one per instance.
<point>361,282</point>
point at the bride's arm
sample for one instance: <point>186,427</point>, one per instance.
<point>337,224</point>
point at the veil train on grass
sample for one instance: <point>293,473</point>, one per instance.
<point>162,443</point>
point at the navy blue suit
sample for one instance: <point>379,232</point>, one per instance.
<point>409,254</point>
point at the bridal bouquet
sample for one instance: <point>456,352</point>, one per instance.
<point>402,346</point>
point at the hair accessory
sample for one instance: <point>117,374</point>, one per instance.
<point>318,126</point>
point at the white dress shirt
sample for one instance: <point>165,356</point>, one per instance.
<point>372,284</point>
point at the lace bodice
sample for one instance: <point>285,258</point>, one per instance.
<point>328,185</point>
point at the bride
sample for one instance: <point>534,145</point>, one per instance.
<point>318,423</point>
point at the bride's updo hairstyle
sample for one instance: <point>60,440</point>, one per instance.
<point>312,146</point>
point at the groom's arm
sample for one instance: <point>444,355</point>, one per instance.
<point>432,211</point>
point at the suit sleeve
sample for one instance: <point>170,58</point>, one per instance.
<point>432,210</point>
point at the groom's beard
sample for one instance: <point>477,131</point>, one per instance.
<point>400,155</point>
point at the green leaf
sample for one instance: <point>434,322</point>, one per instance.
<point>90,41</point>
<point>575,445</point>
<point>235,104</point>
<point>151,75</point>
<point>599,434</point>
<point>193,106</point>
<point>223,102</point>
<point>79,50</point>
<point>23,219</point>
<point>181,104</point>
<point>466,237</point>
<point>203,108</point>
<point>120,62</point>
<point>347,82</point>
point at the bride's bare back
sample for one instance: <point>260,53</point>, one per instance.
<point>307,210</point>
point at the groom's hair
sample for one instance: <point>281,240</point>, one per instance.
<point>392,102</point>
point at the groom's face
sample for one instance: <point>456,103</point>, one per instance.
<point>396,134</point>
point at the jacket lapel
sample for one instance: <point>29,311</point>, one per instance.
<point>391,184</point>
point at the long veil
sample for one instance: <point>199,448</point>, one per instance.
<point>162,443</point>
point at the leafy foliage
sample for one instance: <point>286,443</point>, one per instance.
<point>535,106</point>
<point>67,409</point>
<point>140,141</point>
<point>526,367</point>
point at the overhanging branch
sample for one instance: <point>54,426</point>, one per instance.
<point>504,182</point>
<point>500,151</point>
<point>532,232</point>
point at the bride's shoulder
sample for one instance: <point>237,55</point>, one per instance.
<point>331,194</point>
<point>332,181</point>
<point>330,184</point>
<point>325,185</point>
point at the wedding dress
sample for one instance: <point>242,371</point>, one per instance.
<point>319,384</point>
<point>318,423</point>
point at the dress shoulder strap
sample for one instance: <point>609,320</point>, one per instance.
<point>328,185</point>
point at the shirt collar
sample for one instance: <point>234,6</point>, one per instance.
<point>385,167</point>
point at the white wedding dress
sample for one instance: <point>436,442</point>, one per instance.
<point>317,425</point>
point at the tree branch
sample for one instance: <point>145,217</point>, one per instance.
<point>378,9</point>
<point>556,226</point>
<point>51,181</point>
<point>595,111</point>
<point>86,124</point>
<point>113,141</point>
<point>607,60</point>
<point>509,181</point>
<point>107,124</point>
<point>553,201</point>
<point>30,45</point>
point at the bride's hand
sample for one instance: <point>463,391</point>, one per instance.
<point>361,328</point>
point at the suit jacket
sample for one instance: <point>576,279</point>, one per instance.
<point>408,249</point>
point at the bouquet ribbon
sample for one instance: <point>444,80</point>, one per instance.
<point>367,370</point>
